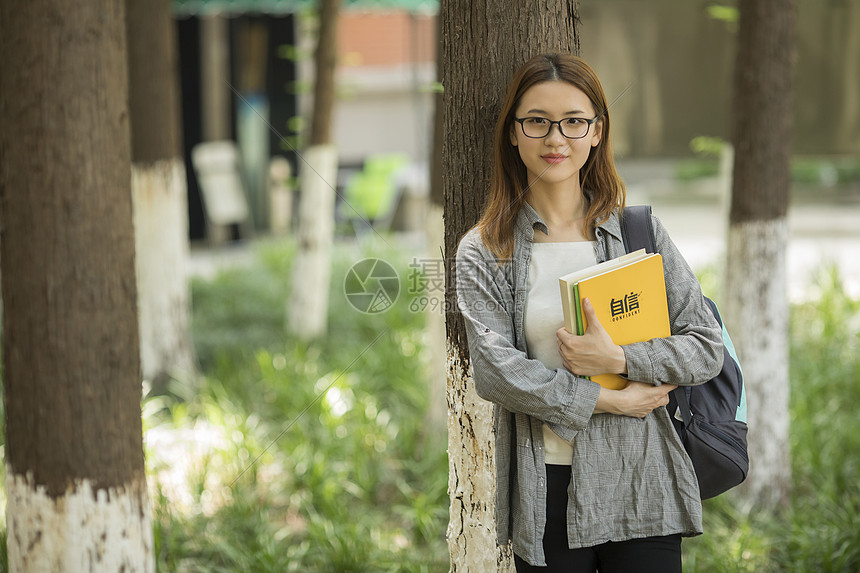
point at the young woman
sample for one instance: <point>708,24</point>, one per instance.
<point>587,478</point>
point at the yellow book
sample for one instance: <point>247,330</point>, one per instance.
<point>629,297</point>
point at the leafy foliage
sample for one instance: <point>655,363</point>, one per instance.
<point>318,457</point>
<point>820,530</point>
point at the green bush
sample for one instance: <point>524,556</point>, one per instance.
<point>324,461</point>
<point>820,530</point>
<point>805,170</point>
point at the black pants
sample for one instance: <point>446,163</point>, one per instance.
<point>646,555</point>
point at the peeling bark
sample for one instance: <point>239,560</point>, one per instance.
<point>471,477</point>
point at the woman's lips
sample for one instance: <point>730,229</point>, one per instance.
<point>553,159</point>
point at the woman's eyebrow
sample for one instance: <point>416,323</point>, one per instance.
<point>574,112</point>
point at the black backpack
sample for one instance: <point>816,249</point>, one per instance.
<point>714,429</point>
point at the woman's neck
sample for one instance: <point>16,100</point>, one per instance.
<point>562,208</point>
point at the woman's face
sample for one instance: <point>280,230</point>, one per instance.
<point>554,158</point>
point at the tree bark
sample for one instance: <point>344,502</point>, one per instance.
<point>758,236</point>
<point>483,44</point>
<point>215,98</point>
<point>77,498</point>
<point>159,193</point>
<point>848,126</point>
<point>307,309</point>
<point>326,63</point>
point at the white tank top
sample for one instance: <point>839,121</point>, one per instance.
<point>543,316</point>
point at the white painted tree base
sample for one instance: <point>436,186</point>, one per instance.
<point>80,532</point>
<point>161,254</point>
<point>471,478</point>
<point>307,308</point>
<point>756,314</point>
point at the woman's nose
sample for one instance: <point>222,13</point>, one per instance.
<point>554,134</point>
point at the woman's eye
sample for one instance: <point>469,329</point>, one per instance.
<point>575,121</point>
<point>537,120</point>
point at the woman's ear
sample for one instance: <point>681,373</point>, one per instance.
<point>598,133</point>
<point>513,134</point>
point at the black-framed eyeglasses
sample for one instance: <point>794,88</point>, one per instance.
<point>570,127</point>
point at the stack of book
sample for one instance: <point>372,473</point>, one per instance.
<point>629,298</point>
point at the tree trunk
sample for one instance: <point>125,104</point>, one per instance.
<point>307,309</point>
<point>325,60</point>
<point>758,236</point>
<point>848,114</point>
<point>75,483</point>
<point>483,44</point>
<point>214,77</point>
<point>159,193</point>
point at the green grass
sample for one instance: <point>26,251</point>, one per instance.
<point>323,459</point>
<point>820,530</point>
<point>318,457</point>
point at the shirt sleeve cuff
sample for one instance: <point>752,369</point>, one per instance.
<point>577,409</point>
<point>639,365</point>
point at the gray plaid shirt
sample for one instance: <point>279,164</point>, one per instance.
<point>631,477</point>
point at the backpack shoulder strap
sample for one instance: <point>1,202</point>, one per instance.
<point>637,232</point>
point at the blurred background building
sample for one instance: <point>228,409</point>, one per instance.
<point>246,75</point>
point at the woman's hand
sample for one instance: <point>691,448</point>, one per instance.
<point>637,400</point>
<point>592,353</point>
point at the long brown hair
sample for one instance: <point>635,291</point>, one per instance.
<point>598,177</point>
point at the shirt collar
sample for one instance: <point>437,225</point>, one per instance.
<point>612,225</point>
<point>528,218</point>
